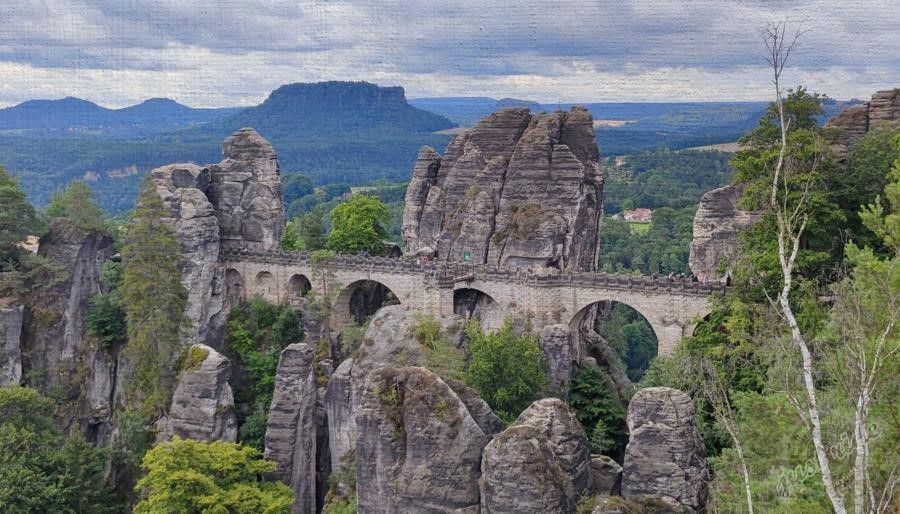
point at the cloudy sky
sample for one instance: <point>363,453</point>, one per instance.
<point>233,52</point>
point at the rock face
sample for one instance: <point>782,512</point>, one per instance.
<point>203,403</point>
<point>539,464</point>
<point>716,226</point>
<point>665,455</point>
<point>291,427</point>
<point>853,123</point>
<point>562,355</point>
<point>54,346</point>
<point>388,340</point>
<point>245,189</point>
<point>519,189</point>
<point>418,449</point>
<point>607,475</point>
<point>10,351</point>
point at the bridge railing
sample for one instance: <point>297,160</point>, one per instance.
<point>448,273</point>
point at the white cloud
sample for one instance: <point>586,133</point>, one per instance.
<point>233,52</point>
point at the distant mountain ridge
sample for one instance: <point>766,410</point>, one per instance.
<point>154,115</point>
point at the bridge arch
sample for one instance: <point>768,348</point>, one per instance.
<point>265,286</point>
<point>359,300</point>
<point>473,303</point>
<point>629,332</point>
<point>234,286</point>
<point>298,287</point>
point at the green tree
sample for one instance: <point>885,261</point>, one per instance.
<point>306,232</point>
<point>294,186</point>
<point>76,204</point>
<point>105,318</point>
<point>18,219</point>
<point>358,225</point>
<point>598,409</point>
<point>154,301</point>
<point>43,471</point>
<point>506,369</point>
<point>210,478</point>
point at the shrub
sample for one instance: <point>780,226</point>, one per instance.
<point>598,409</point>
<point>506,369</point>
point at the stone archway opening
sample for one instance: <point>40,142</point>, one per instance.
<point>265,287</point>
<point>234,286</point>
<point>361,299</point>
<point>478,305</point>
<point>298,287</point>
<point>608,331</point>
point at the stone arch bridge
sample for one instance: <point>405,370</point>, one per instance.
<point>544,296</point>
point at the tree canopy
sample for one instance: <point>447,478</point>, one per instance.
<point>357,225</point>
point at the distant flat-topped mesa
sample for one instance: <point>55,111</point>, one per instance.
<point>854,122</point>
<point>519,189</point>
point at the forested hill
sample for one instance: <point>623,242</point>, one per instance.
<point>352,132</point>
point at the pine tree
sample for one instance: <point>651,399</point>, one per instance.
<point>76,203</point>
<point>154,301</point>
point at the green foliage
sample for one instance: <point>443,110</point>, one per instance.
<point>154,301</point>
<point>192,358</point>
<point>18,219</point>
<point>76,204</point>
<point>663,178</point>
<point>43,471</point>
<point>105,318</point>
<point>209,477</point>
<point>257,333</point>
<point>306,232</point>
<point>506,369</point>
<point>445,359</point>
<point>630,336</point>
<point>598,409</point>
<point>358,226</point>
<point>663,248</point>
<point>294,186</point>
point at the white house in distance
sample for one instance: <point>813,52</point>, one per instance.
<point>641,215</point>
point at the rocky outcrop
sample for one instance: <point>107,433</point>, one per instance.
<point>665,455</point>
<point>182,188</point>
<point>854,122</point>
<point>607,475</point>
<point>10,339</point>
<point>519,189</point>
<point>562,356</point>
<point>539,464</point>
<point>55,349</point>
<point>203,403</point>
<point>520,474</point>
<point>717,223</point>
<point>558,423</point>
<point>245,189</point>
<point>418,449</point>
<point>388,340</point>
<point>291,427</point>
<point>639,505</point>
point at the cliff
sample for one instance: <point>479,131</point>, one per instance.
<point>854,122</point>
<point>519,189</point>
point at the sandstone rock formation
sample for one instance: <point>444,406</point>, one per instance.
<point>245,189</point>
<point>291,428</point>
<point>562,355</point>
<point>388,340</point>
<point>520,474</point>
<point>203,403</point>
<point>539,464</point>
<point>519,189</point>
<point>639,505</point>
<point>717,223</point>
<point>853,122</point>
<point>665,455</point>
<point>607,475</point>
<point>418,449</point>
<point>10,339</point>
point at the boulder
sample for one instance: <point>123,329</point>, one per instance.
<point>202,404</point>
<point>520,474</point>
<point>557,421</point>
<point>291,428</point>
<point>639,505</point>
<point>245,189</point>
<point>10,339</point>
<point>665,455</point>
<point>717,223</point>
<point>607,475</point>
<point>418,448</point>
<point>519,189</point>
